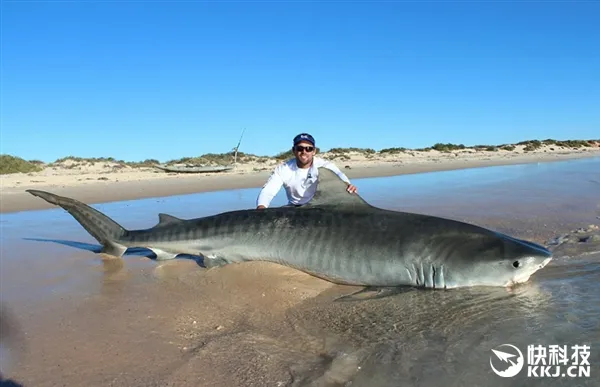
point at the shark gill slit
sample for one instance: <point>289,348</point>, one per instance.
<point>414,269</point>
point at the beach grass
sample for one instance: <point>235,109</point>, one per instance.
<point>14,164</point>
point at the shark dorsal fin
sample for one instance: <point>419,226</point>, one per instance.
<point>164,219</point>
<point>331,192</point>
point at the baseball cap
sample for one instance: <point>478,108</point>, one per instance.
<point>304,137</point>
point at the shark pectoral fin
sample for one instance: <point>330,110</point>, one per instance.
<point>162,255</point>
<point>113,249</point>
<point>214,261</point>
<point>371,293</point>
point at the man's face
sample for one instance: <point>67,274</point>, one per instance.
<point>304,152</point>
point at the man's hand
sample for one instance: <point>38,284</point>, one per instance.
<point>352,188</point>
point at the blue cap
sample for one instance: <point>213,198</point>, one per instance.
<point>304,137</point>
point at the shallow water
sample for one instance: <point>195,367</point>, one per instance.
<point>417,337</point>
<point>133,322</point>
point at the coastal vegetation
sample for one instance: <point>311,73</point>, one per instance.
<point>13,164</point>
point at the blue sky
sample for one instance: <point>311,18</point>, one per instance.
<point>164,80</point>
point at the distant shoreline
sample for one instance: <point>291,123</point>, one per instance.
<point>106,181</point>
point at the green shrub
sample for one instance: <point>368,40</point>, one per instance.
<point>11,164</point>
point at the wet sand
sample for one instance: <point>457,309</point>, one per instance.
<point>94,322</point>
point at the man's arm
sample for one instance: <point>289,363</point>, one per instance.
<point>334,168</point>
<point>269,190</point>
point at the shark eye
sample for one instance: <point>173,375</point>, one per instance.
<point>515,264</point>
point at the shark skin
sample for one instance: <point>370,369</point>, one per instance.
<point>337,236</point>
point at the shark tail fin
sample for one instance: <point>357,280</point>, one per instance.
<point>101,227</point>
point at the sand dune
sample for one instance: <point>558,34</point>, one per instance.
<point>104,181</point>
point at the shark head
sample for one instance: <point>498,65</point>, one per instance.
<point>525,258</point>
<point>523,268</point>
<point>498,260</point>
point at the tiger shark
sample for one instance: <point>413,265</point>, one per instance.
<point>337,236</point>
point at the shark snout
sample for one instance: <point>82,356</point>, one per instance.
<point>529,270</point>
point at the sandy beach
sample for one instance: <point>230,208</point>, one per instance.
<point>107,181</point>
<point>79,319</point>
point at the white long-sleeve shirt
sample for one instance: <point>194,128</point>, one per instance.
<point>299,183</point>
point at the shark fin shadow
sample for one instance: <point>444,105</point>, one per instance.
<point>9,383</point>
<point>137,251</point>
<point>374,293</point>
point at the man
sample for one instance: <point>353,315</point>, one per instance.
<point>298,175</point>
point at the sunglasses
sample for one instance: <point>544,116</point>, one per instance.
<point>300,148</point>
